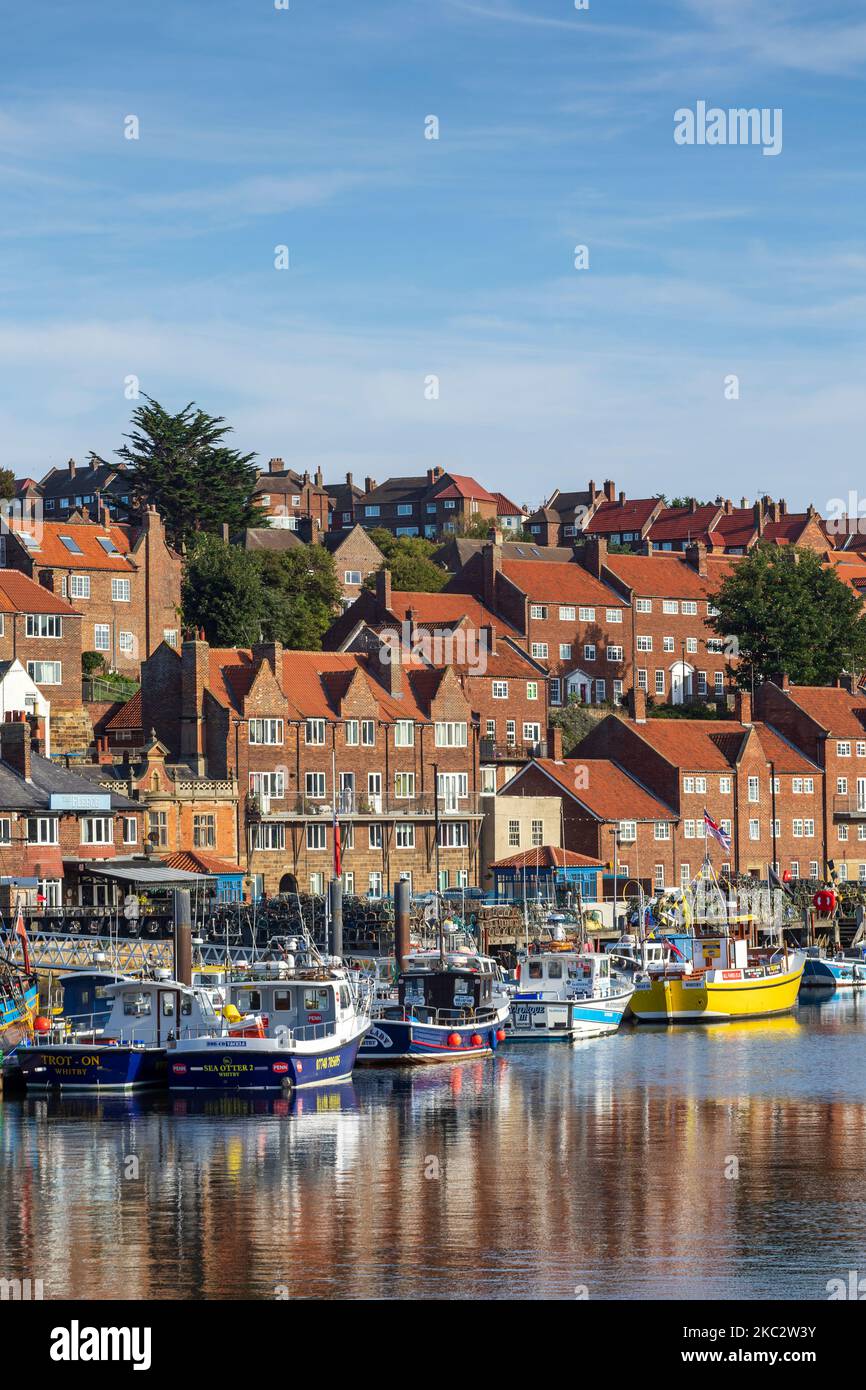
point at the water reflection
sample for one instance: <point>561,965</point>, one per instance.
<point>526,1175</point>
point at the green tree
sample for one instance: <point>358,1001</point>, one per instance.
<point>7,484</point>
<point>222,592</point>
<point>182,466</point>
<point>408,559</point>
<point>301,595</point>
<point>781,610</point>
<point>575,720</point>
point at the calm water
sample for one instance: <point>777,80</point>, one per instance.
<point>529,1175</point>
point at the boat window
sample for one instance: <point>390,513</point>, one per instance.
<point>168,1005</point>
<point>249,1001</point>
<point>136,1005</point>
<point>344,997</point>
<point>186,1005</point>
<point>536,970</point>
<point>283,1001</point>
<point>554,970</point>
<point>315,999</point>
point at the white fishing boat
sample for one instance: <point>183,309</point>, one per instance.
<point>565,995</point>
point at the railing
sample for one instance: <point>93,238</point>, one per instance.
<point>105,691</point>
<point>371,808</point>
<point>444,1018</point>
<point>493,751</point>
<point>849,806</point>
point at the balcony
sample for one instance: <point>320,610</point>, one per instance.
<point>365,808</point>
<point>493,752</point>
<point>850,807</point>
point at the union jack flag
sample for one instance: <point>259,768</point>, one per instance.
<point>712,827</point>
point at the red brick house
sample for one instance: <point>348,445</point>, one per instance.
<point>124,580</point>
<point>44,633</point>
<point>287,497</point>
<point>311,735</point>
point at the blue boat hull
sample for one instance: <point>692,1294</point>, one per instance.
<point>397,1040</point>
<point>833,974</point>
<point>220,1067</point>
<point>76,1067</point>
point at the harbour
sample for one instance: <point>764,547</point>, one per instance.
<point>592,1171</point>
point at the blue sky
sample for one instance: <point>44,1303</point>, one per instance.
<point>412,257</point>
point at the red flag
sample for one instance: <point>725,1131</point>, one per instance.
<point>25,944</point>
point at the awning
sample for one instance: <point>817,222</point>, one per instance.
<point>149,875</point>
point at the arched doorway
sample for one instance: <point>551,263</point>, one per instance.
<point>288,884</point>
<point>682,682</point>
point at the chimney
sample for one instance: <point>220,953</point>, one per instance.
<point>491,559</point>
<point>433,475</point>
<point>622,499</point>
<point>776,511</point>
<point>783,506</point>
<point>811,511</point>
<point>272,653</point>
<point>743,707</point>
<point>395,672</point>
<point>306,477</point>
<point>846,682</point>
<point>318,477</point>
<point>729,506</point>
<point>595,555</point>
<point>383,592</point>
<point>104,515</point>
<point>554,743</point>
<point>590,487</point>
<point>696,555</point>
<point>693,505</point>
<point>489,637</point>
<point>276,466</point>
<point>195,659</point>
<point>349,480</point>
<point>637,705</point>
<point>610,490</point>
<point>494,535</point>
<point>15,743</point>
<point>744,502</point>
<point>758,513</point>
<point>369,484</point>
<point>71,466</point>
<point>648,546</point>
<point>784,681</point>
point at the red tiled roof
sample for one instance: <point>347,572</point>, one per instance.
<point>49,550</point>
<point>547,857</point>
<point>505,507</point>
<point>18,594</point>
<point>314,683</point>
<point>669,576</point>
<point>681,523</point>
<point>128,716</point>
<point>735,528</point>
<point>833,708</point>
<point>630,515</point>
<point>560,583</point>
<point>459,485</point>
<point>194,862</point>
<point>714,745</point>
<point>603,787</point>
<point>444,607</point>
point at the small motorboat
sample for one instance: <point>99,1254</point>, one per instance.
<point>562,996</point>
<point>286,1025</point>
<point>442,1010</point>
<point>844,970</point>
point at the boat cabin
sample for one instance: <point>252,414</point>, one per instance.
<point>564,974</point>
<point>439,995</point>
<point>152,1013</point>
<point>85,1001</point>
<point>306,999</point>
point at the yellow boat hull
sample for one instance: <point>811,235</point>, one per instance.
<point>680,999</point>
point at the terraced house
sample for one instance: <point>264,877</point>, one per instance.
<point>319,738</point>
<point>43,632</point>
<point>124,580</point>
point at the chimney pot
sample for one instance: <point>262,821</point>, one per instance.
<point>610,490</point>
<point>71,466</point>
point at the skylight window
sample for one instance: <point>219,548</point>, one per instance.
<point>108,545</point>
<point>72,545</point>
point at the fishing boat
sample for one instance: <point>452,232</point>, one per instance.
<point>715,975</point>
<point>19,997</point>
<point>562,996</point>
<point>123,1049</point>
<point>844,970</point>
<point>442,1010</point>
<point>286,1025</point>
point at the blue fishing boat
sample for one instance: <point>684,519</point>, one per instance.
<point>565,995</point>
<point>125,1051</point>
<point>295,1025</point>
<point>19,998</point>
<point>444,1011</point>
<point>844,970</point>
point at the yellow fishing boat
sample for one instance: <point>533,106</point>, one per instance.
<point>716,977</point>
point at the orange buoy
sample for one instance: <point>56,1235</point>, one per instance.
<point>41,1024</point>
<point>476,1040</point>
<point>454,1040</point>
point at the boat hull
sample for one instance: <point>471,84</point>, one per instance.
<point>250,1064</point>
<point>561,1020</point>
<point>681,999</point>
<point>80,1067</point>
<point>405,1042</point>
<point>832,974</point>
